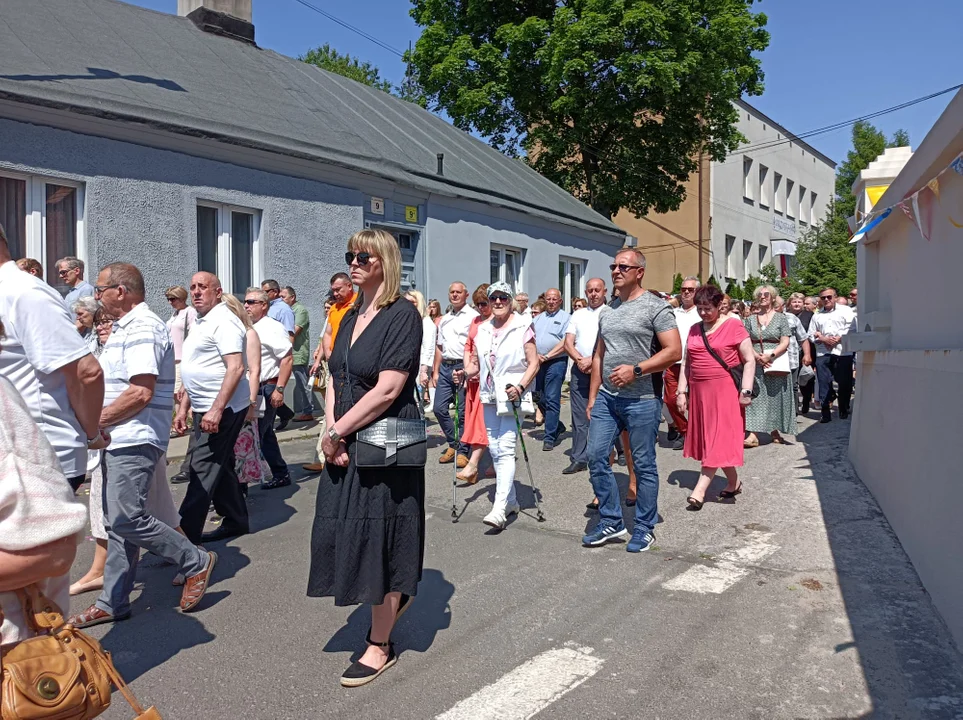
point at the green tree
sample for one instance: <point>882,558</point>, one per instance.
<point>824,256</point>
<point>677,283</point>
<point>610,99</point>
<point>712,281</point>
<point>327,58</point>
<point>734,291</point>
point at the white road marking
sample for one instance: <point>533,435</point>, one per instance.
<point>729,568</point>
<point>529,688</point>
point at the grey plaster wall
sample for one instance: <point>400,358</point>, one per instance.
<point>459,235</point>
<point>141,208</point>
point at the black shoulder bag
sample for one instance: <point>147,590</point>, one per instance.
<point>735,371</point>
<point>390,442</point>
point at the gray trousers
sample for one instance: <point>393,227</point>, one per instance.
<point>128,473</point>
<point>578,393</point>
<point>303,395</point>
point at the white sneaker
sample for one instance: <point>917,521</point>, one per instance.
<point>512,510</point>
<point>496,519</point>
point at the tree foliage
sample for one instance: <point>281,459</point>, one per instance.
<point>327,58</point>
<point>610,99</point>
<point>677,280</point>
<point>824,257</point>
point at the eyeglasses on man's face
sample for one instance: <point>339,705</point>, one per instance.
<point>61,273</point>
<point>688,289</point>
<point>826,297</point>
<point>253,302</point>
<point>101,289</point>
<point>623,268</point>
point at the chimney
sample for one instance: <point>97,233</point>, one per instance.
<point>230,18</point>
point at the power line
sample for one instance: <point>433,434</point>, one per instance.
<point>352,28</point>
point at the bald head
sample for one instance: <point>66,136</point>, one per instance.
<point>206,292</point>
<point>553,300</point>
<point>595,293</point>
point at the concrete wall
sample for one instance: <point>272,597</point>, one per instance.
<point>141,208</point>
<point>907,417</point>
<point>459,236</point>
<point>670,241</point>
<point>750,218</point>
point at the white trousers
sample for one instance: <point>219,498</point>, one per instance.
<point>501,444</point>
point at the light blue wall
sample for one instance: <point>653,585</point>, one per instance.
<point>459,235</point>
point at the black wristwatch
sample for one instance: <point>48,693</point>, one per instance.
<point>638,371</point>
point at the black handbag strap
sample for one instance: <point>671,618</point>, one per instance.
<point>705,339</point>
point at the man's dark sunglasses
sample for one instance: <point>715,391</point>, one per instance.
<point>685,289</point>
<point>252,302</point>
<point>623,268</point>
<point>363,258</point>
<point>826,297</point>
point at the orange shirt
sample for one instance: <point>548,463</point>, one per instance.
<point>336,315</point>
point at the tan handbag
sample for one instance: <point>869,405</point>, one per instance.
<point>61,674</point>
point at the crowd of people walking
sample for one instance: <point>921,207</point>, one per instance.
<point>106,384</point>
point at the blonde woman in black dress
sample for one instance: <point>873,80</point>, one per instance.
<point>368,540</point>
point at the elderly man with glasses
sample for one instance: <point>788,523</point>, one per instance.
<point>826,330</point>
<point>70,270</point>
<point>638,339</point>
<point>686,316</point>
<point>277,363</point>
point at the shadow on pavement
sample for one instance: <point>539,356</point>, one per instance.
<point>430,613</point>
<point>911,667</point>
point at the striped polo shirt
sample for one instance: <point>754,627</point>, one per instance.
<point>139,344</point>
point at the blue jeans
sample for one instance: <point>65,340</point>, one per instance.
<point>548,383</point>
<point>444,393</point>
<point>269,440</point>
<point>303,396</point>
<point>640,417</point>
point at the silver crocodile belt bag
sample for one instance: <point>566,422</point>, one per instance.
<point>392,441</point>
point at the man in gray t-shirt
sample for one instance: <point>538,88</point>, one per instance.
<point>638,339</point>
<point>627,330</point>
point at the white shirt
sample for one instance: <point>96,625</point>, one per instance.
<point>428,335</point>
<point>584,325</point>
<point>40,339</point>
<point>840,321</point>
<point>139,344</point>
<point>275,346</point>
<point>203,367</point>
<point>686,319</point>
<point>37,505</point>
<point>453,332</point>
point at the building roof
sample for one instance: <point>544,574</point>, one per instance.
<point>789,135</point>
<point>117,61</point>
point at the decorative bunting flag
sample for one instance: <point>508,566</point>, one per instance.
<point>910,205</point>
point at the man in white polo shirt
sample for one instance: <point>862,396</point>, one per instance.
<point>50,365</point>
<point>686,316</point>
<point>277,362</point>
<point>826,331</point>
<point>139,366</point>
<point>212,370</point>
<point>450,356</point>
<point>580,337</point>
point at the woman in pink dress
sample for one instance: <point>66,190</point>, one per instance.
<point>473,432</point>
<point>708,392</point>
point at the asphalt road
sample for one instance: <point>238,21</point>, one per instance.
<point>795,601</point>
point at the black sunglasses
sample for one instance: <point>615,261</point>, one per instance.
<point>826,297</point>
<point>483,303</point>
<point>685,289</point>
<point>252,302</point>
<point>498,298</point>
<point>623,268</point>
<point>363,258</point>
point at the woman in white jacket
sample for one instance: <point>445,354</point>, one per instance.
<point>506,362</point>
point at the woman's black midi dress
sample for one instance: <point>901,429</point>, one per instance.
<point>368,537</point>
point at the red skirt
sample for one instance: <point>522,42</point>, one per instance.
<point>715,435</point>
<point>474,432</point>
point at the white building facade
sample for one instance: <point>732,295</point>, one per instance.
<point>764,197</point>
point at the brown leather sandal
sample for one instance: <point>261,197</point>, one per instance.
<point>196,586</point>
<point>93,616</point>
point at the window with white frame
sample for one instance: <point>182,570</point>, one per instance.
<point>763,189</point>
<point>778,199</point>
<point>732,265</point>
<point>790,200</point>
<point>571,280</point>
<point>506,266</point>
<point>803,206</point>
<point>43,219</point>
<point>228,245</point>
<point>748,191</point>
<point>813,220</point>
<point>746,254</point>
<point>762,256</point>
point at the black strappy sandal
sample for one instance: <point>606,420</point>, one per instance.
<point>694,504</point>
<point>359,674</point>
<point>730,494</point>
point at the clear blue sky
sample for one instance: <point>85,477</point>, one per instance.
<point>828,60</point>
